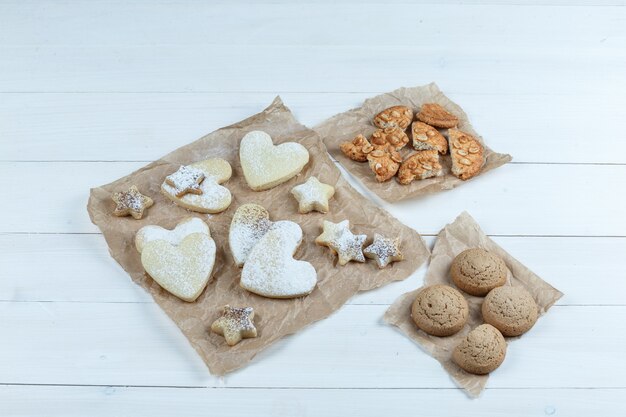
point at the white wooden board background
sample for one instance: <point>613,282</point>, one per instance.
<point>92,90</point>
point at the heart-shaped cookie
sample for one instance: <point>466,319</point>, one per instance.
<point>183,269</point>
<point>175,236</point>
<point>248,226</point>
<point>212,197</point>
<point>270,269</point>
<point>265,165</point>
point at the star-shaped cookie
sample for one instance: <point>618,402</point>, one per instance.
<point>186,180</point>
<point>313,195</point>
<point>384,250</point>
<point>131,202</point>
<point>339,238</point>
<point>235,324</point>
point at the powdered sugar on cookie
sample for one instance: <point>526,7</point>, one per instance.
<point>175,236</point>
<point>250,223</point>
<point>271,271</point>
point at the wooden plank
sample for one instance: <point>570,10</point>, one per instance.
<point>63,401</point>
<point>513,200</point>
<point>494,68</point>
<point>136,344</point>
<point>150,23</point>
<point>570,264</point>
<point>142,127</point>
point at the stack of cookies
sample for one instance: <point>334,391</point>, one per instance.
<point>442,310</point>
<point>433,134</point>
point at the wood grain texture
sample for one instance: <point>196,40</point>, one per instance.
<point>143,127</point>
<point>123,82</point>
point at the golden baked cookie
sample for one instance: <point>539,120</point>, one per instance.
<point>467,154</point>
<point>235,324</point>
<point>341,241</point>
<point>131,202</point>
<point>477,271</point>
<point>481,351</point>
<point>394,137</point>
<point>186,180</point>
<point>358,149</point>
<point>396,116</point>
<point>420,165</point>
<point>384,250</point>
<point>313,195</point>
<point>426,137</point>
<point>440,310</point>
<point>435,115</point>
<point>384,163</point>
<point>512,310</point>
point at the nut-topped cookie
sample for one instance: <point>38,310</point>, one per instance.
<point>420,165</point>
<point>467,154</point>
<point>396,116</point>
<point>357,149</point>
<point>435,115</point>
<point>426,137</point>
<point>384,163</point>
<point>512,310</point>
<point>393,137</point>
<point>481,351</point>
<point>440,310</point>
<point>477,271</point>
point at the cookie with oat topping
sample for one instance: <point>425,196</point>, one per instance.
<point>435,115</point>
<point>357,149</point>
<point>396,116</point>
<point>426,137</point>
<point>420,165</point>
<point>393,137</point>
<point>384,163</point>
<point>467,154</point>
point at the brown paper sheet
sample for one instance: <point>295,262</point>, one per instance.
<point>345,126</point>
<point>464,233</point>
<point>274,318</point>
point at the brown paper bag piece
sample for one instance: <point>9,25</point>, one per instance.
<point>464,233</point>
<point>345,126</point>
<point>274,318</point>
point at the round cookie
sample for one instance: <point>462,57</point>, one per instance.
<point>512,310</point>
<point>477,271</point>
<point>481,351</point>
<point>440,310</point>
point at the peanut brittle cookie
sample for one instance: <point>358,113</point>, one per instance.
<point>420,165</point>
<point>426,137</point>
<point>467,154</point>
<point>131,202</point>
<point>358,149</point>
<point>341,241</point>
<point>435,115</point>
<point>396,116</point>
<point>383,250</point>
<point>313,195</point>
<point>384,163</point>
<point>235,324</point>
<point>394,137</point>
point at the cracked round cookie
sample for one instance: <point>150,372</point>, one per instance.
<point>477,271</point>
<point>440,310</point>
<point>512,310</point>
<point>482,351</point>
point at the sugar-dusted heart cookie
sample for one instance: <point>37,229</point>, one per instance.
<point>175,236</point>
<point>270,269</point>
<point>209,196</point>
<point>265,165</point>
<point>248,226</point>
<point>183,269</point>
